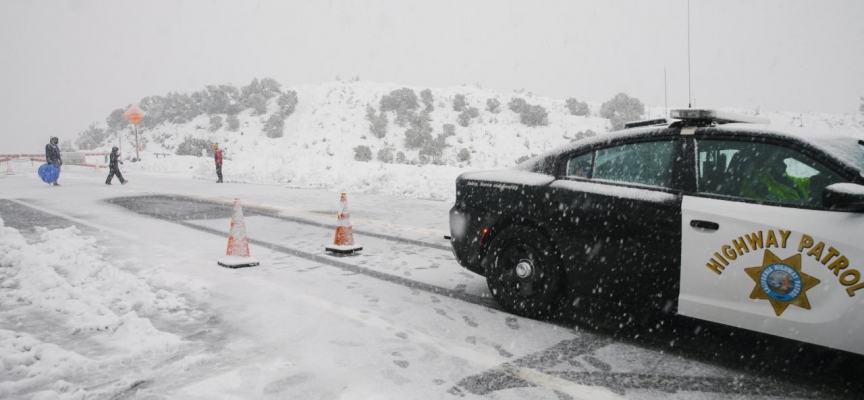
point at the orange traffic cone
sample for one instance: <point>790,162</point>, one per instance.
<point>237,255</point>
<point>343,243</point>
<point>9,170</point>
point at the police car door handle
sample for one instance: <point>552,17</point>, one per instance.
<point>704,224</point>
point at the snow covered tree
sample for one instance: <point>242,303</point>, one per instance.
<point>463,155</point>
<point>362,153</point>
<point>233,123</point>
<point>385,155</point>
<point>117,120</point>
<point>66,145</point>
<point>403,101</point>
<point>493,106</point>
<point>377,122</point>
<point>577,108</point>
<point>258,104</point>
<point>449,129</point>
<point>194,147</point>
<point>460,103</point>
<point>399,100</point>
<point>274,126</point>
<point>621,109</point>
<point>466,116</point>
<point>417,137</point>
<point>517,105</point>
<point>427,99</point>
<point>287,103</point>
<point>534,115</point>
<point>91,138</point>
<point>215,123</point>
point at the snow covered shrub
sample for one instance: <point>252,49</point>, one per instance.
<point>400,157</point>
<point>621,109</point>
<point>287,103</point>
<point>377,123</point>
<point>459,103</point>
<point>418,137</point>
<point>517,105</point>
<point>493,106</point>
<point>91,138</point>
<point>362,153</point>
<point>529,115</point>
<point>434,148</point>
<point>427,99</point>
<point>465,116</point>
<point>258,104</point>
<point>400,99</point>
<point>861,108</point>
<point>577,108</point>
<point>274,126</point>
<point>215,123</point>
<point>385,155</point>
<point>233,123</point>
<point>463,155</point>
<point>449,129</point>
<point>403,102</point>
<point>522,159</point>
<point>193,147</point>
<point>534,115</point>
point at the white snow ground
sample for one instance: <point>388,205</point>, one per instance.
<point>127,306</point>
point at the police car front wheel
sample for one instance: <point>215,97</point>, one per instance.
<point>523,272</point>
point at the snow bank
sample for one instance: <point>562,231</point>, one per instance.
<point>63,277</point>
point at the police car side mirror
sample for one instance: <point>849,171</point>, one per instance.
<point>844,196</point>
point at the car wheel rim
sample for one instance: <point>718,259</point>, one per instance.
<point>520,277</point>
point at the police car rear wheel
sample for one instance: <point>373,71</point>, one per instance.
<point>523,272</point>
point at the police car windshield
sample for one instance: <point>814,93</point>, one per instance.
<point>848,150</point>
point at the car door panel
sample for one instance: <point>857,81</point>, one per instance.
<point>620,244</point>
<point>724,272</point>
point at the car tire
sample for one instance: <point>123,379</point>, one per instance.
<point>524,273</point>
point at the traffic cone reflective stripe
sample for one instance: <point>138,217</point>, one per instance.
<point>237,254</point>
<point>343,241</point>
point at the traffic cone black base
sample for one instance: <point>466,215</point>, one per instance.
<point>235,262</point>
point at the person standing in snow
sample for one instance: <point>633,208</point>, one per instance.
<point>114,168</point>
<point>217,156</point>
<point>52,156</point>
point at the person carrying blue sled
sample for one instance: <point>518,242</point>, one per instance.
<point>53,157</point>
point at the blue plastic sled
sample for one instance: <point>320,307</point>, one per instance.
<point>49,173</point>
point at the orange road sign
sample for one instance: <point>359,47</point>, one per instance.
<point>134,115</point>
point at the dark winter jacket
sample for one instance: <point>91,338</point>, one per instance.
<point>114,159</point>
<point>218,156</point>
<point>52,154</point>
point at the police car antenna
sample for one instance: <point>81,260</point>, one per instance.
<point>689,93</point>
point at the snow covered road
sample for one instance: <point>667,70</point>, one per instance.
<point>125,305</point>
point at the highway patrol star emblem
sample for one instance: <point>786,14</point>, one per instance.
<point>781,282</point>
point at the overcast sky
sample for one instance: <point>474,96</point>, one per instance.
<point>65,64</point>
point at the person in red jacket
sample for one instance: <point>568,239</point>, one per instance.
<point>217,155</point>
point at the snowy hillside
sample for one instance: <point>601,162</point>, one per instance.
<point>330,121</point>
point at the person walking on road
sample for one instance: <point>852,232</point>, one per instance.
<point>53,157</point>
<point>217,155</point>
<point>114,168</point>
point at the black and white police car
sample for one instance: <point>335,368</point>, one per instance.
<point>712,215</point>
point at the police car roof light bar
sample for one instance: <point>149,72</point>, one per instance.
<point>647,122</point>
<point>720,117</point>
